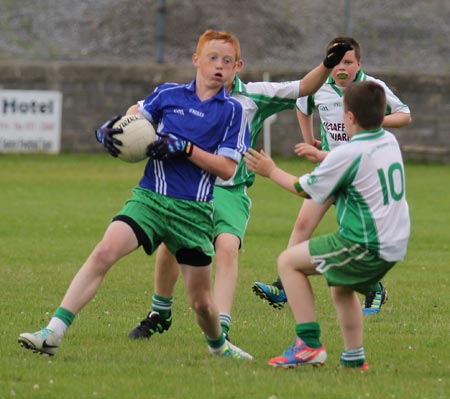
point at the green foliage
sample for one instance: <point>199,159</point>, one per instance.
<point>55,209</point>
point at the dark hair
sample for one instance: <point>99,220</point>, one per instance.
<point>350,40</point>
<point>367,101</point>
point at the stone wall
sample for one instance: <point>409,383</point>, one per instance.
<point>94,92</point>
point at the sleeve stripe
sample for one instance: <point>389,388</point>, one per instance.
<point>299,189</point>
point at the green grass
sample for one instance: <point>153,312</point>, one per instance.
<point>55,209</point>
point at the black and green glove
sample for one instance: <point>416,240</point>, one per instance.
<point>335,54</point>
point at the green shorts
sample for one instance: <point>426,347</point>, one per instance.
<point>231,210</point>
<point>347,263</point>
<point>180,224</point>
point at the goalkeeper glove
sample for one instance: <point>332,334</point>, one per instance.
<point>335,54</point>
<point>169,146</point>
<point>105,135</point>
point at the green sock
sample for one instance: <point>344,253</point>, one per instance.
<point>309,333</point>
<point>65,315</point>
<point>225,321</point>
<point>162,305</point>
<point>378,287</point>
<point>216,342</point>
<point>353,357</point>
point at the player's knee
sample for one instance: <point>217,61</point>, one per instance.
<point>103,256</point>
<point>283,262</point>
<point>202,307</point>
<point>193,257</point>
<point>227,246</point>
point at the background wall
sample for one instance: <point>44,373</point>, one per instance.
<point>93,93</point>
<point>400,35</point>
<point>102,54</point>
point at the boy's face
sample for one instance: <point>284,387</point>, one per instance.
<point>345,72</point>
<point>216,64</point>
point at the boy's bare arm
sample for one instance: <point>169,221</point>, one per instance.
<point>263,165</point>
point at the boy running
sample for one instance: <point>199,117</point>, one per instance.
<point>203,133</point>
<point>366,179</point>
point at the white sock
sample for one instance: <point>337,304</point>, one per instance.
<point>57,326</point>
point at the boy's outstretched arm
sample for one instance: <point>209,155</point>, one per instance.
<point>263,165</point>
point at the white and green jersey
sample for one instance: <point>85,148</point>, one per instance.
<point>259,100</point>
<point>328,100</point>
<point>367,179</point>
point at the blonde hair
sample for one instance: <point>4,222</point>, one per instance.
<point>227,37</point>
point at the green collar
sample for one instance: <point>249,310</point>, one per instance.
<point>238,87</point>
<point>368,134</point>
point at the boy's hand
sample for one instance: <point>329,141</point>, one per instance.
<point>169,146</point>
<point>317,144</point>
<point>105,135</point>
<point>259,162</point>
<point>312,153</point>
<point>336,53</point>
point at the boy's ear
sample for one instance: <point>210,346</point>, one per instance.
<point>352,117</point>
<point>195,59</point>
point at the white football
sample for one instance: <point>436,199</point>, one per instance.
<point>137,134</point>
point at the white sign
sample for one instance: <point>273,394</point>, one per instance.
<point>30,121</point>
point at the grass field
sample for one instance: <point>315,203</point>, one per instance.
<point>54,209</point>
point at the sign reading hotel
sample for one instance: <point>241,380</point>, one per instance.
<point>30,121</point>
